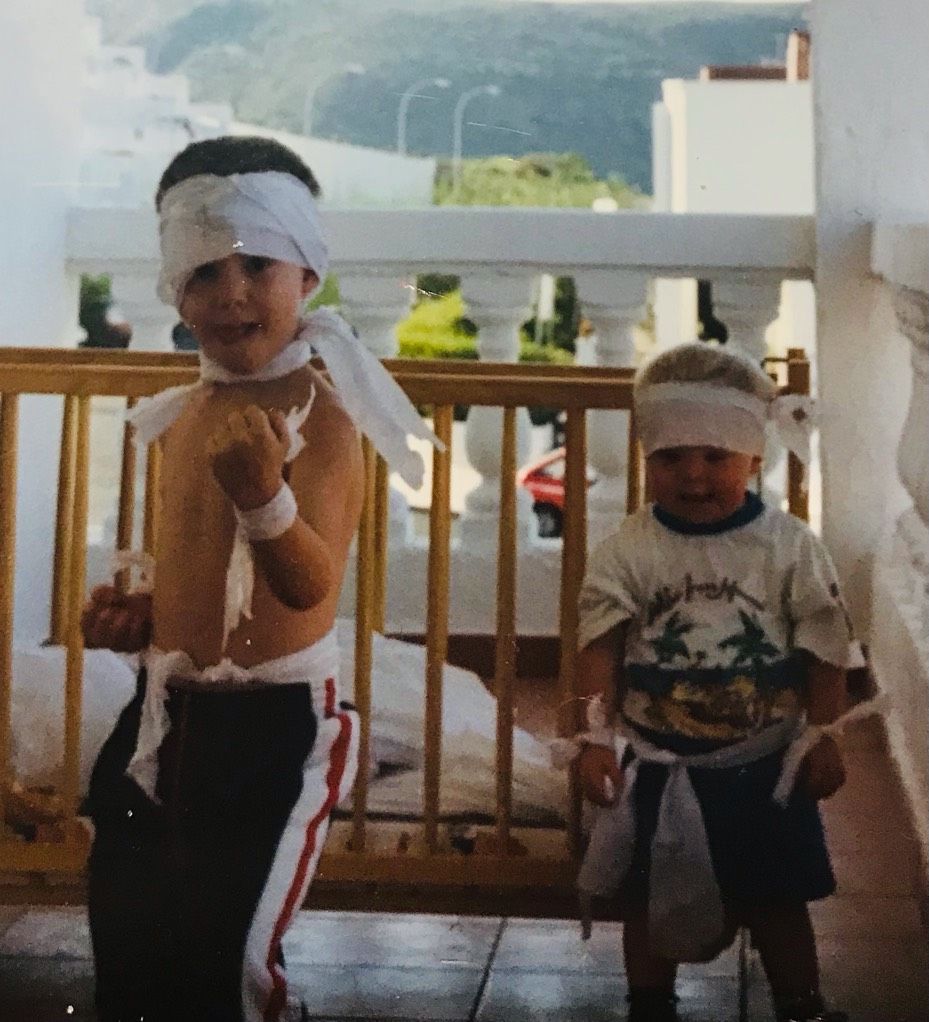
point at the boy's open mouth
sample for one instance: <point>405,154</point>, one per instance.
<point>232,332</point>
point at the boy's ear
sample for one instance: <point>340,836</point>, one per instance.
<point>310,281</point>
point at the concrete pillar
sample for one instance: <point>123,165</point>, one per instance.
<point>41,69</point>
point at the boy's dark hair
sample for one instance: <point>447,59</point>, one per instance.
<point>234,154</point>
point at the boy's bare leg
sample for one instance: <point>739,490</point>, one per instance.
<point>650,978</point>
<point>783,934</point>
<point>644,969</point>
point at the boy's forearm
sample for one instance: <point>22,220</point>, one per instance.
<point>598,669</point>
<point>827,693</point>
<point>297,566</point>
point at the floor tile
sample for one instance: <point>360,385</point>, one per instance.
<point>522,996</point>
<point>380,993</point>
<point>857,916</point>
<point>555,944</point>
<point>45,988</point>
<point>48,933</point>
<point>350,939</point>
<point>8,915</point>
<point>871,875</point>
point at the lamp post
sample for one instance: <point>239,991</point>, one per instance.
<point>410,94</point>
<point>310,96</point>
<point>458,120</point>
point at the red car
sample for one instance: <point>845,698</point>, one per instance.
<point>544,479</point>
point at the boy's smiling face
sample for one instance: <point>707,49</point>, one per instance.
<point>244,309</point>
<point>700,484</point>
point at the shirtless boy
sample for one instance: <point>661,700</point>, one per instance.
<point>212,796</point>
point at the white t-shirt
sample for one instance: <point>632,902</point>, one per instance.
<point>714,620</point>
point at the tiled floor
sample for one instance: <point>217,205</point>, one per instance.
<point>397,968</point>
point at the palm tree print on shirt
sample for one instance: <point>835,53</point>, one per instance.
<point>751,644</point>
<point>670,643</point>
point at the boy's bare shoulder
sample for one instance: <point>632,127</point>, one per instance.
<point>328,424</point>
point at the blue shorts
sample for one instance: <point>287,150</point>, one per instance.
<point>760,851</point>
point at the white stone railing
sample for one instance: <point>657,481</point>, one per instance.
<point>499,255</point>
<point>900,619</point>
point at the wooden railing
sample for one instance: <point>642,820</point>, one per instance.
<point>418,869</point>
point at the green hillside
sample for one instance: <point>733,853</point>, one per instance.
<point>578,78</point>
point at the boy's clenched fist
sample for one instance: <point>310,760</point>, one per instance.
<point>247,455</point>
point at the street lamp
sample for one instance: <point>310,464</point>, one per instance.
<point>463,100</point>
<point>410,94</point>
<point>309,98</point>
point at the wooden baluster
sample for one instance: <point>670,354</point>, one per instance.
<point>505,661</point>
<point>381,539</point>
<point>77,581</point>
<point>798,382</point>
<point>633,468</point>
<point>437,621</point>
<point>58,625</point>
<point>573,561</point>
<point>9,423</point>
<point>126,510</point>
<point>364,615</point>
<point>152,485</point>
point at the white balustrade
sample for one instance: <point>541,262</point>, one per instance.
<point>374,305</point>
<point>498,254</point>
<point>498,305</point>
<point>614,302</point>
<point>912,311</point>
<point>151,320</point>
<point>748,307</point>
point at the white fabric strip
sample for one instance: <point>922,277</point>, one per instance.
<point>686,918</point>
<point>209,217</point>
<point>271,520</point>
<point>314,665</point>
<point>676,414</point>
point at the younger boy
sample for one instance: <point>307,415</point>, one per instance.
<point>715,624</point>
<point>211,798</point>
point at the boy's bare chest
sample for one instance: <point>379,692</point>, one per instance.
<point>187,482</point>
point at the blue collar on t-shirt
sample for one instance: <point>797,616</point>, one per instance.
<point>748,512</point>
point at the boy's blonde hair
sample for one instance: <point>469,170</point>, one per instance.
<point>700,362</point>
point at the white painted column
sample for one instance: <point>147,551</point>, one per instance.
<point>41,70</point>
<point>374,306</point>
<point>499,305</point>
<point>614,303</point>
<point>912,311</point>
<point>151,320</point>
<point>747,307</point>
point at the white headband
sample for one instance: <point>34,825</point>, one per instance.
<point>206,218</point>
<point>676,414</point>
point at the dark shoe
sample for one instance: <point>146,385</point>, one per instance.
<point>808,1009</point>
<point>646,1005</point>
<point>820,1016</point>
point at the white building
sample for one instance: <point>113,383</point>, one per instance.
<point>736,140</point>
<point>135,121</point>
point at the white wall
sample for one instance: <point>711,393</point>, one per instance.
<point>729,146</point>
<point>41,64</point>
<point>354,176</point>
<point>871,79</point>
<point>871,157</point>
<point>741,146</point>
